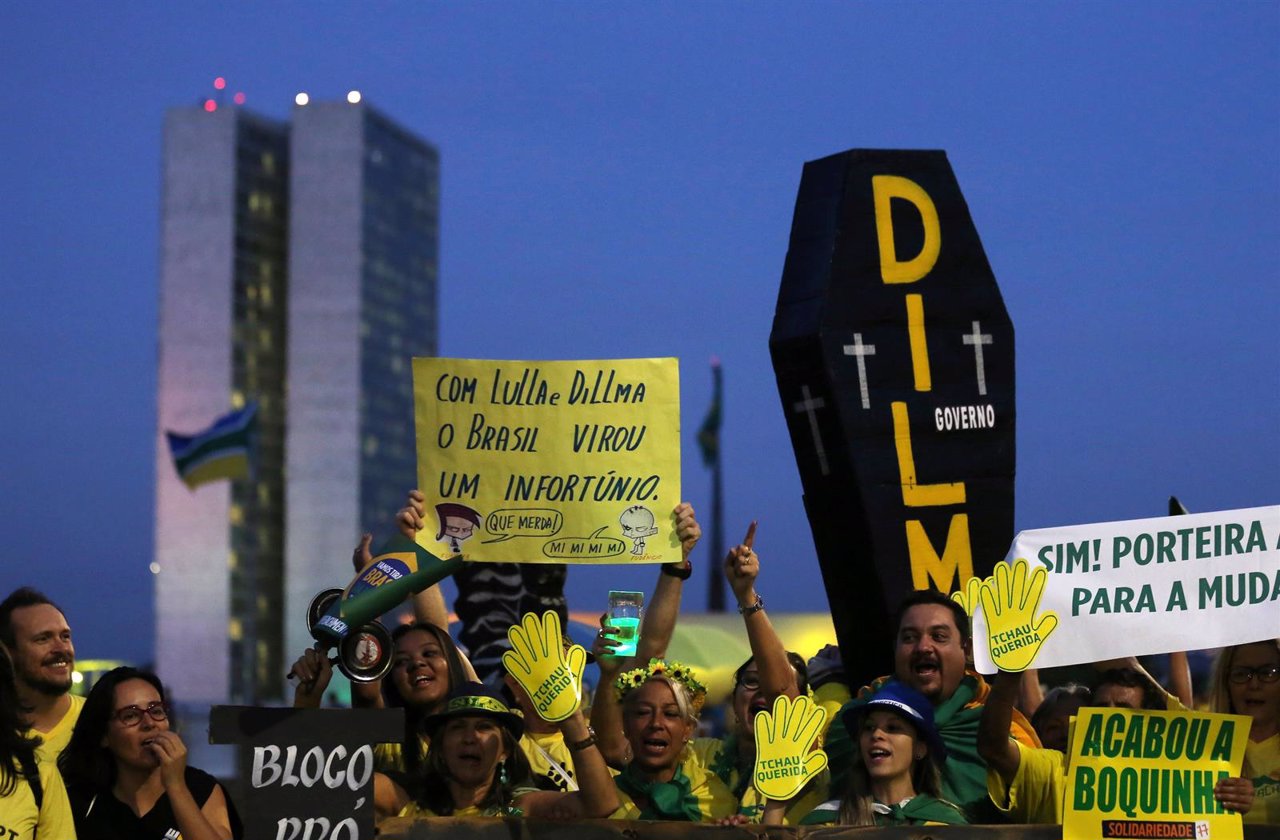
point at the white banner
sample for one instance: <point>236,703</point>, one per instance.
<point>1152,585</point>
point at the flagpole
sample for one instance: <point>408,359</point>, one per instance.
<point>715,586</point>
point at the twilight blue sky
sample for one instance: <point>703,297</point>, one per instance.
<point>618,180</point>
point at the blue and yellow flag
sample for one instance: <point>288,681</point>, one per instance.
<point>220,451</point>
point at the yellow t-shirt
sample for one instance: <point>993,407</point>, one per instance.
<point>18,816</point>
<point>413,809</point>
<point>389,757</point>
<point>55,740</point>
<point>708,753</point>
<point>1038,787</point>
<point>1262,767</point>
<point>550,761</point>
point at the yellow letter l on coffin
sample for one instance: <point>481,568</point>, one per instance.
<point>915,494</point>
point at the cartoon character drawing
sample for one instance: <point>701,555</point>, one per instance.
<point>457,524</point>
<point>637,523</point>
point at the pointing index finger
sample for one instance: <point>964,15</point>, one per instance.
<point>750,539</point>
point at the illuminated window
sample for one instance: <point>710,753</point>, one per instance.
<point>234,631</point>
<point>237,515</point>
<point>233,560</point>
<point>237,399</point>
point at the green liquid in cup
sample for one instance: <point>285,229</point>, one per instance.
<point>627,632</point>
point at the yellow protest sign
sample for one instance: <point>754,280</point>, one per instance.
<point>785,758</point>
<point>549,462</point>
<point>1151,774</point>
<point>550,673</point>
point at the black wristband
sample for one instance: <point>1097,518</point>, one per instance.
<point>754,608</point>
<point>579,746</point>
<point>680,571</point>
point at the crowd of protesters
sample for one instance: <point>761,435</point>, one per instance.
<point>931,743</point>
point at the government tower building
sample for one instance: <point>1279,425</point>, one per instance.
<point>298,271</point>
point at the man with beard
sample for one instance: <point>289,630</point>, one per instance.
<point>931,654</point>
<point>35,633</point>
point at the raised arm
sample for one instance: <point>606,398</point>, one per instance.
<point>606,711</point>
<point>994,744</point>
<point>596,796</point>
<point>1180,678</point>
<point>659,622</point>
<point>741,568</point>
<point>428,605</point>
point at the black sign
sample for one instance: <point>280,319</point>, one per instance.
<point>894,359</point>
<point>310,776</point>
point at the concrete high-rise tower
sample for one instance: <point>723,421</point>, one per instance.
<point>298,270</point>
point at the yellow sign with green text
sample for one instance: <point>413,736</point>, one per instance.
<point>1151,774</point>
<point>549,462</point>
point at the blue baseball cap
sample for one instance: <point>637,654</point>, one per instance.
<point>908,704</point>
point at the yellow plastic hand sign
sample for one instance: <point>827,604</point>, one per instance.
<point>1009,602</point>
<point>785,757</point>
<point>968,598</point>
<point>550,673</point>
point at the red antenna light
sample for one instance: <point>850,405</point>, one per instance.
<point>210,105</point>
<point>238,98</point>
<point>219,83</point>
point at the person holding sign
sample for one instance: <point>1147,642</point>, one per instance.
<point>1246,681</point>
<point>426,665</point>
<point>663,781</point>
<point>896,774</point>
<point>1027,784</point>
<point>772,671</point>
<point>931,655</point>
<point>127,773</point>
<point>476,766</point>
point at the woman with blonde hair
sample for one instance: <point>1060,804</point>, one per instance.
<point>662,780</point>
<point>1246,681</point>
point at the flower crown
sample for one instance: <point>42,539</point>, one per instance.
<point>674,671</point>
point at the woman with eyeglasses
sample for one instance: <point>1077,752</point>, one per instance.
<point>1246,681</point>
<point>127,773</point>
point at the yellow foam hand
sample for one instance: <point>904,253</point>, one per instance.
<point>968,597</point>
<point>1009,603</point>
<point>785,758</point>
<point>550,673</point>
